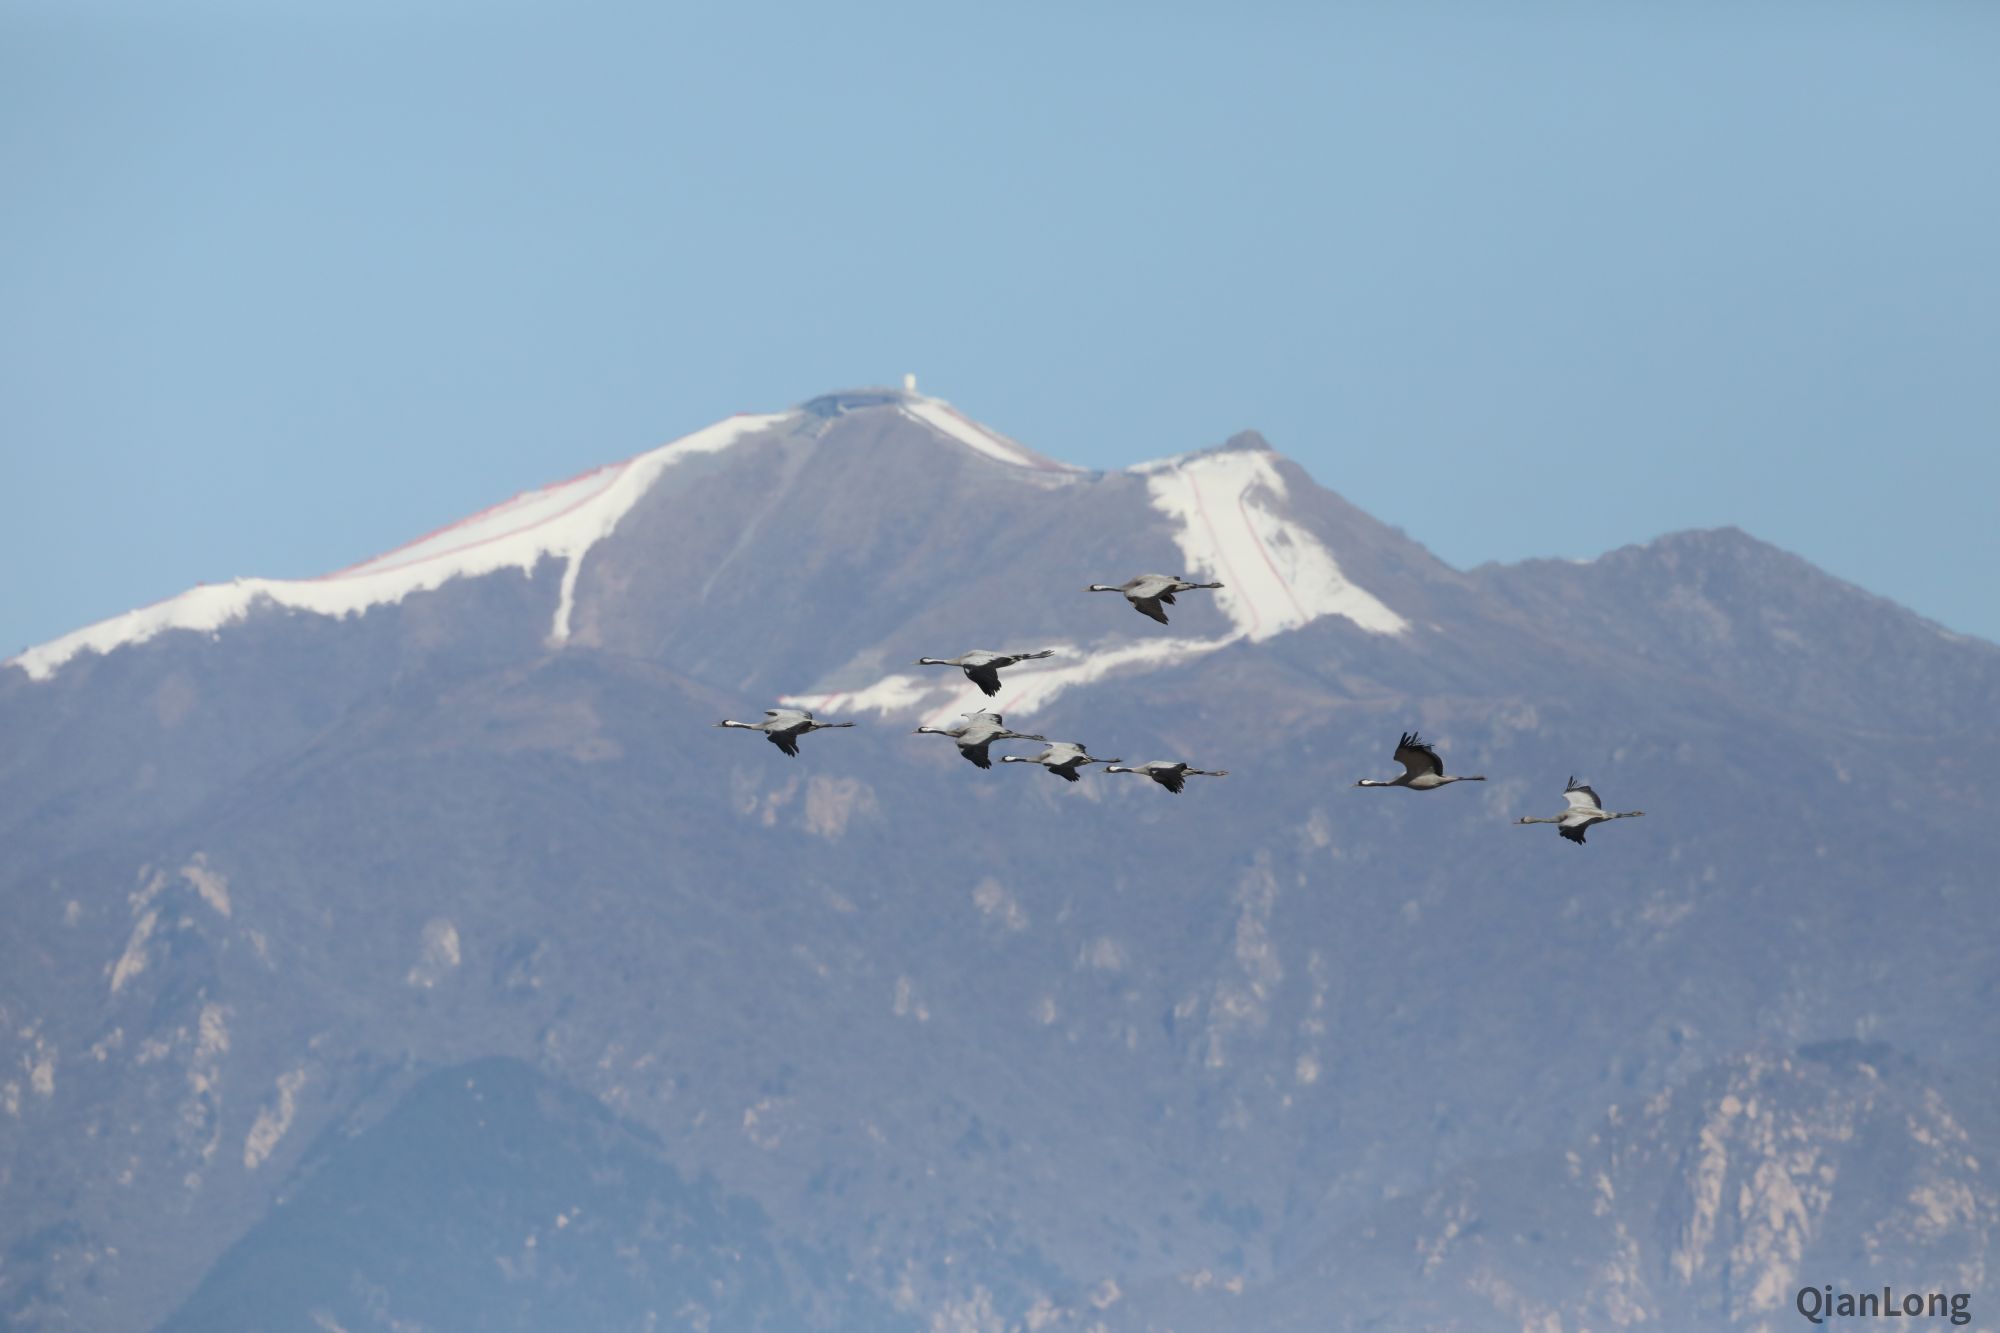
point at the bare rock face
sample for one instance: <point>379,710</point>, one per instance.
<point>1708,1204</point>
<point>873,1039</point>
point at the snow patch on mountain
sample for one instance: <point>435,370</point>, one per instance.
<point>939,697</point>
<point>1276,575</point>
<point>564,520</point>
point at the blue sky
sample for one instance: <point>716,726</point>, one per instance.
<point>282,285</point>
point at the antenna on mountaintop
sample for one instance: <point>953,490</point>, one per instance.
<point>909,384</point>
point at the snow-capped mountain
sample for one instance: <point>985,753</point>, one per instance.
<point>1223,510</point>
<point>403,947</point>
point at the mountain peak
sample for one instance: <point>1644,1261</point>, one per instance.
<point>941,417</point>
<point>1725,540</point>
<point>563,520</point>
<point>842,401</point>
<point>1244,441</point>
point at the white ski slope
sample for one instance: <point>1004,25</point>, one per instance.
<point>1276,576</point>
<point>948,421</point>
<point>938,697</point>
<point>564,521</point>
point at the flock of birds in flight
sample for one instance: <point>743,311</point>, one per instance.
<point>1423,770</point>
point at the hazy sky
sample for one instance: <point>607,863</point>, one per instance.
<point>282,285</point>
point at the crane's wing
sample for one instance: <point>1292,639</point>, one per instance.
<point>787,741</point>
<point>1574,832</point>
<point>1149,606</point>
<point>1417,757</point>
<point>976,754</point>
<point>1149,585</point>
<point>985,677</point>
<point>1581,797</point>
<point>1170,778</point>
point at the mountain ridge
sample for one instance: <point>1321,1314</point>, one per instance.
<point>996,1050</point>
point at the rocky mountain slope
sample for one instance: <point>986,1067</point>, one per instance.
<point>403,949</point>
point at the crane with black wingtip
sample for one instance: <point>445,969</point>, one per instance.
<point>1149,592</point>
<point>1171,774</point>
<point>982,666</point>
<point>1063,759</point>
<point>1584,811</point>
<point>974,735</point>
<point>1422,769</point>
<point>784,726</point>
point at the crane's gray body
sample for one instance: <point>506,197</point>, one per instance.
<point>1064,759</point>
<point>1585,810</point>
<point>1169,773</point>
<point>784,726</point>
<point>978,732</point>
<point>1148,593</point>
<point>982,666</point>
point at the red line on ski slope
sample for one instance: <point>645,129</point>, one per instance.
<point>1030,459</point>
<point>347,571</point>
<point>350,571</point>
<point>622,465</point>
<point>1269,563</point>
<point>1221,556</point>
